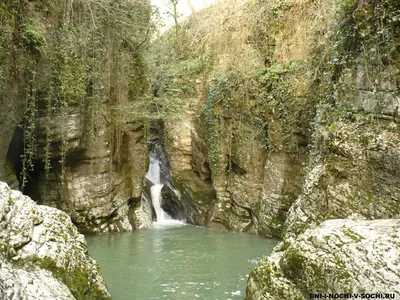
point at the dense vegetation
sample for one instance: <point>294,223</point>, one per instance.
<point>249,74</point>
<point>70,55</point>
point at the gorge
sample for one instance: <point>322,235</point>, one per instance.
<point>279,119</point>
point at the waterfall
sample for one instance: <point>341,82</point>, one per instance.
<point>154,175</point>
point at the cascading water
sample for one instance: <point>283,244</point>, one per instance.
<point>154,175</point>
<point>162,216</point>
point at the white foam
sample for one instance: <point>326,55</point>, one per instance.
<point>168,223</point>
<point>162,216</point>
<point>236,293</point>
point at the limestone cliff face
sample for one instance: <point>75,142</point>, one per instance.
<point>358,174</point>
<point>293,121</point>
<point>354,165</point>
<point>237,142</point>
<point>190,168</point>
<point>69,134</point>
<point>42,254</point>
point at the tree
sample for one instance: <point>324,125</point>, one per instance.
<point>175,15</point>
<point>189,3</point>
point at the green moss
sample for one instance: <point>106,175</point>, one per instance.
<point>269,19</point>
<point>314,275</point>
<point>353,235</point>
<point>138,80</point>
<point>181,185</point>
<point>241,105</point>
<point>78,280</point>
<point>275,225</point>
<point>294,263</point>
<point>10,201</point>
<point>266,275</point>
<point>186,68</point>
<point>196,193</point>
<point>370,30</point>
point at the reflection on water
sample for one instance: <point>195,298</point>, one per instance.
<point>184,262</point>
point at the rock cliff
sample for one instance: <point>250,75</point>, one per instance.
<point>42,254</point>
<point>302,128</point>
<point>71,134</point>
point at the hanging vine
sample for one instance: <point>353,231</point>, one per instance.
<point>29,129</point>
<point>84,59</point>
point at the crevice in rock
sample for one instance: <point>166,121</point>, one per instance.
<point>234,167</point>
<point>22,245</point>
<point>14,152</point>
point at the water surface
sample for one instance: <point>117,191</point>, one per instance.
<point>179,262</point>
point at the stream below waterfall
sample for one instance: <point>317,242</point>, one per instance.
<point>177,262</point>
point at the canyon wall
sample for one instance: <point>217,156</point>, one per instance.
<point>72,80</point>
<point>273,117</point>
<point>285,113</point>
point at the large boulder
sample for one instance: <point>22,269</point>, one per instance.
<point>42,254</point>
<point>339,256</point>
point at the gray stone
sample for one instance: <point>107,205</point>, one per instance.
<point>338,256</point>
<point>43,256</point>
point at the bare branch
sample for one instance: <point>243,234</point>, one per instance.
<point>144,41</point>
<point>189,3</point>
